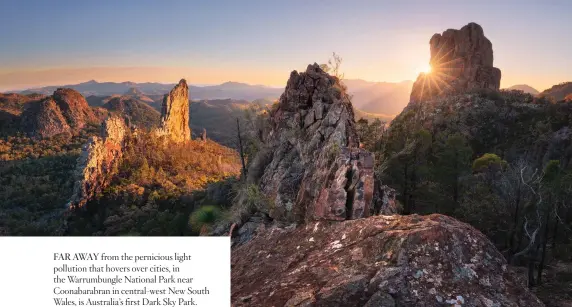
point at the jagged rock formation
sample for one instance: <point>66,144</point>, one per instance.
<point>410,260</point>
<point>65,112</point>
<point>311,166</point>
<point>95,165</point>
<point>461,60</point>
<point>175,114</point>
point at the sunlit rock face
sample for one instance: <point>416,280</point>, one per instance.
<point>175,114</point>
<point>97,162</point>
<point>461,60</point>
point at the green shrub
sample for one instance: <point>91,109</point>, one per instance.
<point>206,215</point>
<point>488,161</point>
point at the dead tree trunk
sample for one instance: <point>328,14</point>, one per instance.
<point>241,150</point>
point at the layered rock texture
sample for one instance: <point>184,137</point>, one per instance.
<point>311,166</point>
<point>99,157</point>
<point>65,112</point>
<point>175,114</point>
<point>379,261</point>
<point>461,60</point>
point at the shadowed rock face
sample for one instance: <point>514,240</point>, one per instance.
<point>95,165</point>
<point>461,60</point>
<point>311,166</point>
<point>175,114</point>
<point>44,119</point>
<point>410,260</point>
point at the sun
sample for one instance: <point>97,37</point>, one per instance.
<point>426,69</point>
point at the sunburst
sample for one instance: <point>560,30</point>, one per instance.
<point>437,75</point>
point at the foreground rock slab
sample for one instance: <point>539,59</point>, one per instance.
<point>410,260</point>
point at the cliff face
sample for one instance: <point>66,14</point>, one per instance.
<point>461,60</point>
<point>65,112</point>
<point>99,157</point>
<point>311,165</point>
<point>175,114</point>
<point>409,260</point>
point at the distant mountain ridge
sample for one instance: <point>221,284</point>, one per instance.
<point>372,97</point>
<point>232,90</point>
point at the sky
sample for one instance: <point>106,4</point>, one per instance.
<point>261,41</point>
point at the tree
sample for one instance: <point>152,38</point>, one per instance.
<point>333,66</point>
<point>240,149</point>
<point>452,161</point>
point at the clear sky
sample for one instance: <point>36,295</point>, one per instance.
<point>261,41</point>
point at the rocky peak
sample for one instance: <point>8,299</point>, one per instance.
<point>66,111</point>
<point>97,161</point>
<point>175,114</point>
<point>44,119</point>
<point>311,165</point>
<point>461,60</point>
<point>74,107</point>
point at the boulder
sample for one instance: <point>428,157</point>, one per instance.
<point>97,161</point>
<point>175,114</point>
<point>311,166</point>
<point>461,60</point>
<point>395,260</point>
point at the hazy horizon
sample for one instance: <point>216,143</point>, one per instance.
<point>261,42</point>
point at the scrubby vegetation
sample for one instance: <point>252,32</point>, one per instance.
<point>36,181</point>
<point>157,188</point>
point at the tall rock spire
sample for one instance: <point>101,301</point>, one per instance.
<point>461,60</point>
<point>175,114</point>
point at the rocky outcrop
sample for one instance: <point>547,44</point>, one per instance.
<point>175,114</point>
<point>44,119</point>
<point>96,163</point>
<point>311,166</point>
<point>410,260</point>
<point>461,60</point>
<point>74,107</point>
<point>65,112</point>
<point>384,200</point>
